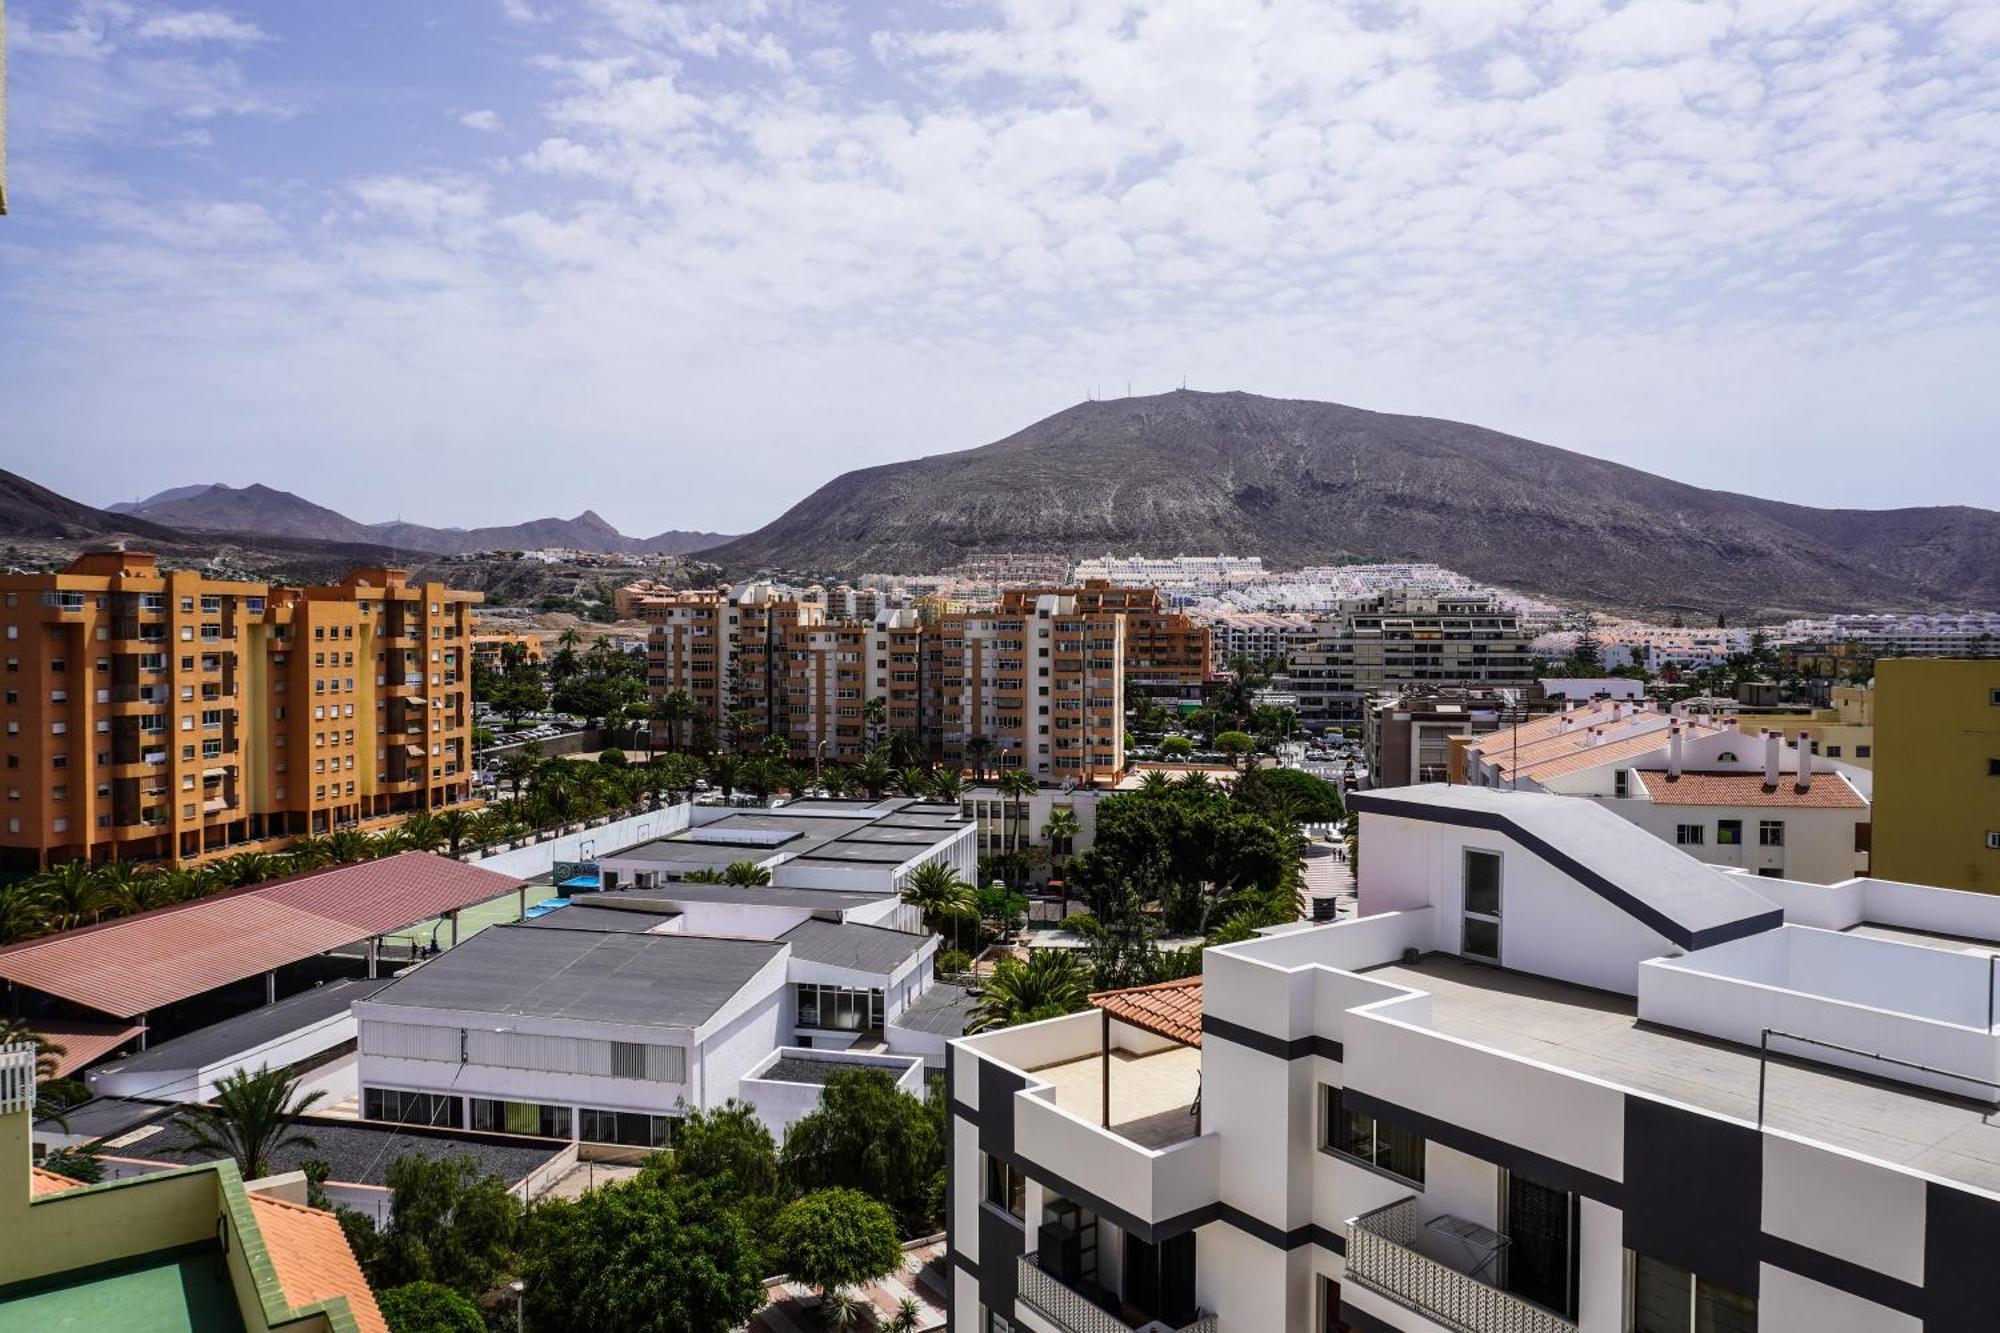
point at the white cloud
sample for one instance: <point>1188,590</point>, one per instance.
<point>485,119</point>
<point>199,25</point>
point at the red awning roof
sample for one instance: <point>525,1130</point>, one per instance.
<point>83,1043</point>
<point>1170,1009</point>
<point>137,963</point>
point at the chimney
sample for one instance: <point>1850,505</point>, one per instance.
<point>1773,758</point>
<point>1805,762</point>
<point>1674,752</point>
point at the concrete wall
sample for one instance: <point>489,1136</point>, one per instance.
<point>540,858</point>
<point>198,1084</point>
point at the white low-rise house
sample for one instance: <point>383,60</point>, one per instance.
<point>1723,794</point>
<point>1526,1091</point>
<point>604,1022</point>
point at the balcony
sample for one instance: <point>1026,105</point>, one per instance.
<point>1382,1256</point>
<point>1073,1312</point>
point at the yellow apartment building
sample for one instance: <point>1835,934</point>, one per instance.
<point>165,715</point>
<point>1937,772</point>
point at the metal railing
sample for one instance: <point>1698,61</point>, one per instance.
<point>1382,1256</point>
<point>1072,1311</point>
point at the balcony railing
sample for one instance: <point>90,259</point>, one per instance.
<point>1073,1312</point>
<point>1382,1256</point>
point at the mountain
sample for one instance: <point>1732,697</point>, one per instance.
<point>261,509</point>
<point>162,497</point>
<point>28,510</point>
<point>1309,483</point>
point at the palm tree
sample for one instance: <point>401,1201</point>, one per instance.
<point>1061,828</point>
<point>517,768</point>
<point>49,1103</point>
<point>936,891</point>
<point>914,781</point>
<point>909,1315</point>
<point>949,786</point>
<point>24,912</point>
<point>705,875</point>
<point>874,717</point>
<point>1155,783</point>
<point>746,874</point>
<point>457,825</point>
<point>874,774</point>
<point>350,845</point>
<point>764,775</point>
<point>73,891</point>
<point>1051,983</point>
<point>251,1117</point>
<point>130,889</point>
<point>679,773</point>
<point>420,832</point>
<point>977,751</point>
<point>251,868</point>
<point>674,708</point>
<point>725,773</point>
<point>310,852</point>
<point>1017,784</point>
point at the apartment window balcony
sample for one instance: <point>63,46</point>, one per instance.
<point>1382,1255</point>
<point>1073,1312</point>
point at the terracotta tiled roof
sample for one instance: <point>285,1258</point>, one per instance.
<point>83,1043</point>
<point>313,1260</point>
<point>138,963</point>
<point>1829,791</point>
<point>1170,1009</point>
<point>48,1182</point>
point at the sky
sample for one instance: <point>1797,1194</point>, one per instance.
<point>475,261</point>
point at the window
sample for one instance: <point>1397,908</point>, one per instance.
<point>1832,751</point>
<point>1864,751</point>
<point>838,1008</point>
<point>628,1059</point>
<point>1375,1143</point>
<point>1689,835</point>
<point>630,1129</point>
<point>1006,1188</point>
<point>1770,833</point>
<point>411,1108</point>
<point>1993,768</point>
<point>550,1122</point>
<point>1621,783</point>
<point>1662,1298</point>
<point>1728,832</point>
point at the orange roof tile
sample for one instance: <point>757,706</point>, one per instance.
<point>48,1182</point>
<point>1170,1009</point>
<point>83,1043</point>
<point>313,1260</point>
<point>1829,791</point>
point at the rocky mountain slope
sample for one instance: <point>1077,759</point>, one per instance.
<point>262,509</point>
<point>1307,482</point>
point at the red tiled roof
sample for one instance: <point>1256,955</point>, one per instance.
<point>42,1182</point>
<point>137,963</point>
<point>1829,791</point>
<point>1170,1009</point>
<point>313,1260</point>
<point>83,1043</point>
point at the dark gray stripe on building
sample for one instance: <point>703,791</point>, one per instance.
<point>1493,821</point>
<point>1545,1170</point>
<point>1694,1191</point>
<point>1843,1275</point>
<point>1961,1280</point>
<point>1295,1048</point>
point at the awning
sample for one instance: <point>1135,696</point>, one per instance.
<point>414,699</point>
<point>1170,1009</point>
<point>414,751</point>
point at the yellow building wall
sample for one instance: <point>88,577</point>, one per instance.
<point>1937,731</point>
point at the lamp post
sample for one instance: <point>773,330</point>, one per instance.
<point>518,1287</point>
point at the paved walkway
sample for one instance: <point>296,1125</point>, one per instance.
<point>795,1309</point>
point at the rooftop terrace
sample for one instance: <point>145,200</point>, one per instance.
<point>1152,1095</point>
<point>1598,1034</point>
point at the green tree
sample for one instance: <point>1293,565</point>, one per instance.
<point>428,1307</point>
<point>639,1258</point>
<point>746,874</point>
<point>939,895</point>
<point>1176,747</point>
<point>1235,744</point>
<point>728,1152</point>
<point>450,1223</point>
<point>871,1136</point>
<point>251,1117</point>
<point>1051,983</point>
<point>1312,800</point>
<point>674,708</point>
<point>836,1238</point>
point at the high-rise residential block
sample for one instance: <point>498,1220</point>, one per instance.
<point>1937,771</point>
<point>167,715</point>
<point>1408,640</point>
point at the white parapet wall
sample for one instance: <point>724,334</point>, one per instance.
<point>782,1102</point>
<point>587,844</point>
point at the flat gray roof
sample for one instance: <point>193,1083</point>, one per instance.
<point>829,832</point>
<point>762,895</point>
<point>944,1009</point>
<point>586,916</point>
<point>1595,1033</point>
<point>863,948</point>
<point>1692,904</point>
<point>246,1032</point>
<point>669,980</point>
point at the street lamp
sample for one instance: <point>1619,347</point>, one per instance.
<point>517,1287</point>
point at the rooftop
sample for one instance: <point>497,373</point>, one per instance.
<point>170,1291</point>
<point>874,949</point>
<point>1828,791</point>
<point>667,980</point>
<point>763,895</point>
<point>1598,1034</point>
<point>361,1151</point>
<point>1170,1009</point>
<point>139,963</point>
<point>248,1032</point>
<point>944,1009</point>
<point>1688,903</point>
<point>314,1261</point>
<point>1152,1096</point>
<point>887,832</point>
<point>589,916</point>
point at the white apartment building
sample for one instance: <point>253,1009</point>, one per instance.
<point>1406,640</point>
<point>605,1023</point>
<point>1181,573</point>
<point>1966,634</point>
<point>1261,636</point>
<point>1557,1077</point>
<point>1725,795</point>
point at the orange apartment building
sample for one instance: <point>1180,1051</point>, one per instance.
<point>165,715</point>
<point>1017,677</point>
<point>1166,652</point>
